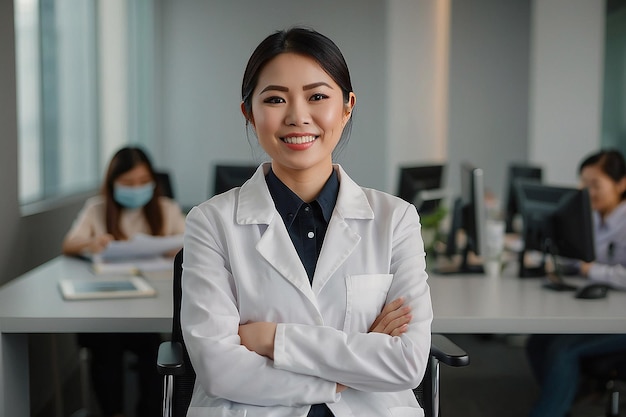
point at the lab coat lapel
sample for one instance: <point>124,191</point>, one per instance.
<point>276,247</point>
<point>255,206</point>
<point>341,239</point>
<point>339,242</point>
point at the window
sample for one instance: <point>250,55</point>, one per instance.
<point>614,106</point>
<point>28,96</point>
<point>76,87</point>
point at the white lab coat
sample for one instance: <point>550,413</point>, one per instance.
<point>240,266</point>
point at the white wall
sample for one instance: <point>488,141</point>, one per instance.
<point>567,66</point>
<point>488,89</point>
<point>417,80</point>
<point>113,86</point>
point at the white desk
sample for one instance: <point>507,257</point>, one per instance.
<point>33,303</point>
<point>462,304</point>
<point>479,304</point>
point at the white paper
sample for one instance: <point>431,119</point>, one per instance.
<point>140,246</point>
<point>134,266</point>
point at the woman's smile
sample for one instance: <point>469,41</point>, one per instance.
<point>299,142</point>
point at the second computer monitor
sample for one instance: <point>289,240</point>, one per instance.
<point>515,172</point>
<point>469,215</point>
<point>416,179</point>
<point>557,221</point>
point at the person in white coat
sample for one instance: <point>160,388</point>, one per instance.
<point>304,294</point>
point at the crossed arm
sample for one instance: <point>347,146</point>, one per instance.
<point>393,320</point>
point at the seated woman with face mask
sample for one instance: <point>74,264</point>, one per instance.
<point>130,202</point>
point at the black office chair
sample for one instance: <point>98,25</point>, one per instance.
<point>230,176</point>
<point>605,370</point>
<point>179,377</point>
<point>164,183</point>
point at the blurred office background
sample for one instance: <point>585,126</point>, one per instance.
<point>485,81</point>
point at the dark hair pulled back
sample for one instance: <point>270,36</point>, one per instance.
<point>610,161</point>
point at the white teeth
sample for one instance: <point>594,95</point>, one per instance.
<point>299,139</point>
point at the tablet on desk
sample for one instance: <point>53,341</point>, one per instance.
<point>110,287</point>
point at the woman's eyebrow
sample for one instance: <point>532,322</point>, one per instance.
<point>304,88</point>
<point>315,85</point>
<point>275,88</point>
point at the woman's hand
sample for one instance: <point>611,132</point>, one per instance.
<point>258,337</point>
<point>172,253</point>
<point>584,268</point>
<point>394,319</point>
<point>99,243</point>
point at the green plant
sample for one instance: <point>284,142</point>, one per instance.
<point>432,220</point>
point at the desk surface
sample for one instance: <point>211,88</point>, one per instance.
<point>33,303</point>
<point>480,304</point>
<point>461,304</point>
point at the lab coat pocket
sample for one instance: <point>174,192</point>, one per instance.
<point>406,412</point>
<point>366,295</point>
<point>214,412</point>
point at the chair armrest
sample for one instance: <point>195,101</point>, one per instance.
<point>170,359</point>
<point>444,350</point>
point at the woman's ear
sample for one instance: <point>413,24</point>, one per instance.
<point>248,117</point>
<point>349,106</point>
<point>621,185</point>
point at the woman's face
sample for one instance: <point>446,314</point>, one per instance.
<point>605,194</point>
<point>298,114</point>
<point>137,176</point>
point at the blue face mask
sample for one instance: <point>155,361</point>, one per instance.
<point>133,197</point>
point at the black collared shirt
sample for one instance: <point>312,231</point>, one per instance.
<point>306,224</point>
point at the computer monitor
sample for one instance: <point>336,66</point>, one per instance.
<point>231,176</point>
<point>515,171</point>
<point>469,215</point>
<point>557,222</point>
<point>416,179</point>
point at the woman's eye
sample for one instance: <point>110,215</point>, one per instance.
<point>318,97</point>
<point>274,100</point>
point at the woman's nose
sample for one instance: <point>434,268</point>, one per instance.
<point>297,115</point>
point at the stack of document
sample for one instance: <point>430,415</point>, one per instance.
<point>142,253</point>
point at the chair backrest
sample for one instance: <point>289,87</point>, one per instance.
<point>183,384</point>
<point>164,183</point>
<point>231,176</point>
<point>424,391</point>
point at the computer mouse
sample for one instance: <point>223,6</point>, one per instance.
<point>592,291</point>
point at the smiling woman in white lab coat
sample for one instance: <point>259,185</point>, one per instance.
<point>304,294</point>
